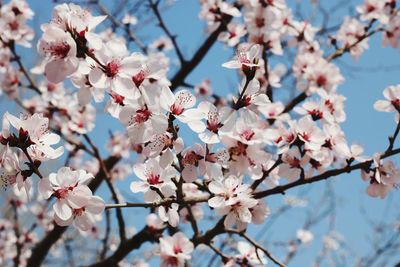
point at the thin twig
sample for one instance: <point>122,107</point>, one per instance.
<point>258,246</point>
<point>120,218</point>
<point>161,23</point>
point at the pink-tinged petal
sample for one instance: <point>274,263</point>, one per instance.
<point>83,222</point>
<point>79,197</point>
<point>96,205</point>
<point>209,137</point>
<point>53,179</point>
<point>131,65</point>
<point>126,114</point>
<point>254,52</point>
<point>139,187</point>
<point>84,96</point>
<point>179,145</point>
<point>377,190</point>
<point>95,20</point>
<point>193,114</point>
<point>168,189</point>
<point>383,105</point>
<point>230,220</point>
<point>162,213</point>
<point>216,202</point>
<point>185,99</point>
<point>61,222</point>
<point>63,211</point>
<point>124,87</point>
<point>173,219</point>
<point>50,139</point>
<point>197,126</point>
<point>233,64</point>
<point>57,70</point>
<point>66,177</point>
<point>94,40</point>
<point>140,171</point>
<point>214,170</point>
<point>84,177</point>
<point>189,174</point>
<point>138,134</point>
<point>167,98</point>
<point>166,159</point>
<point>216,187</point>
<point>244,215</point>
<point>5,132</point>
<point>159,123</point>
<point>14,121</point>
<point>45,188</point>
<point>151,196</point>
<point>98,78</point>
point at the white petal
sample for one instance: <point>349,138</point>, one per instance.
<point>63,211</point>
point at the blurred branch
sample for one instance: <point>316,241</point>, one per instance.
<point>119,24</point>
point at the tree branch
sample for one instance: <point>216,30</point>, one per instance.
<point>40,250</point>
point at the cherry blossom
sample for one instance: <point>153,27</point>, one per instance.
<point>250,255</point>
<point>60,49</point>
<point>115,69</point>
<point>205,169</point>
<point>178,105</point>
<point>245,59</point>
<point>85,217</point>
<point>304,236</point>
<point>34,134</point>
<point>232,36</point>
<point>175,250</point>
<point>143,122</point>
<point>232,198</point>
<point>392,94</point>
<point>70,190</point>
<point>350,33</point>
<point>155,178</point>
<point>217,121</point>
<point>383,177</point>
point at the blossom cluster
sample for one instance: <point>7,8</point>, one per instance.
<point>246,145</point>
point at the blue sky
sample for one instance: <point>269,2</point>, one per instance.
<point>363,125</point>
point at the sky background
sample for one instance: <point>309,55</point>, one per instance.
<point>365,80</point>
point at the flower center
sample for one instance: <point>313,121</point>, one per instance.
<point>61,193</point>
<point>176,109</point>
<point>247,134</point>
<point>79,212</point>
<point>177,249</point>
<point>139,78</point>
<point>60,50</point>
<point>396,103</point>
<point>316,114</point>
<point>142,115</point>
<point>191,158</point>
<point>153,179</point>
<point>112,69</point>
<point>118,99</point>
<point>321,81</point>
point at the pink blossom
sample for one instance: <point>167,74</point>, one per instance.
<point>70,190</point>
<point>175,250</point>
<point>153,176</point>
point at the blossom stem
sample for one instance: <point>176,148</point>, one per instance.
<point>32,163</point>
<point>323,176</point>
<point>155,204</point>
<point>258,246</point>
<point>239,103</point>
